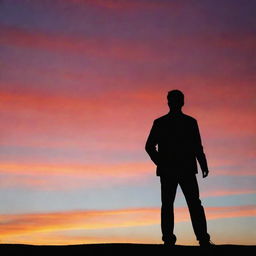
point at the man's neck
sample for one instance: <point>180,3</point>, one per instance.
<point>175,111</point>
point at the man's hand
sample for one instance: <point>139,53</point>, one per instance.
<point>205,173</point>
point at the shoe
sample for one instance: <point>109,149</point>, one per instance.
<point>169,244</point>
<point>206,244</point>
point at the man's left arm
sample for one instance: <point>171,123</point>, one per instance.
<point>200,155</point>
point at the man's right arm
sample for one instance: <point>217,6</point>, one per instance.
<point>152,142</point>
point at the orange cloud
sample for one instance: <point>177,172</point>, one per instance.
<point>98,170</point>
<point>64,239</point>
<point>75,220</point>
<point>15,226</point>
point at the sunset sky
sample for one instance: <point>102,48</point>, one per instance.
<point>81,82</point>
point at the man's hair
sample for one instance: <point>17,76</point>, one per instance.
<point>175,95</point>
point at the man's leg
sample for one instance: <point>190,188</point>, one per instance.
<point>190,190</point>
<point>168,192</point>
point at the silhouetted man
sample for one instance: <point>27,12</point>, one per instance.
<point>174,145</point>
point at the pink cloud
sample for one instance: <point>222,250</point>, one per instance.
<point>70,177</point>
<point>65,177</point>
<point>115,48</point>
<point>227,192</point>
<point>126,5</point>
<point>86,122</point>
<point>88,46</point>
<point>80,112</point>
<point>73,122</point>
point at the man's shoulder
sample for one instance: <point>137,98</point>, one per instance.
<point>166,117</point>
<point>189,118</point>
<point>161,119</point>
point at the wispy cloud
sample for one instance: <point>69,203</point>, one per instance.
<point>65,177</point>
<point>101,47</point>
<point>112,47</point>
<point>88,112</point>
<point>227,192</point>
<point>83,123</point>
<point>121,5</point>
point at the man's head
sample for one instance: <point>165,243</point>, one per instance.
<point>175,99</point>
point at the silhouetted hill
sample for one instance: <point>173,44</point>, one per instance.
<point>121,249</point>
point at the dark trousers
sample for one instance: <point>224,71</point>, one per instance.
<point>190,190</point>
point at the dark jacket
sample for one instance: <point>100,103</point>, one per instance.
<point>174,144</point>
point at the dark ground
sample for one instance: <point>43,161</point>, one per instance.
<point>126,249</point>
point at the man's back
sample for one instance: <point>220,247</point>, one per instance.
<point>178,144</point>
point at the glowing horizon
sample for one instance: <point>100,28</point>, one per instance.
<point>28,225</point>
